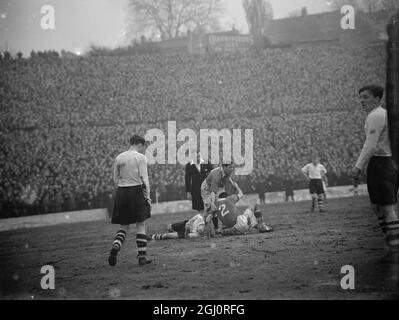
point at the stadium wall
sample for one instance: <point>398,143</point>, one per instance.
<point>159,208</point>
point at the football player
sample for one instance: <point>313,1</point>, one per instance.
<point>236,223</point>
<point>212,186</point>
<point>189,229</point>
<point>315,173</point>
<point>232,221</point>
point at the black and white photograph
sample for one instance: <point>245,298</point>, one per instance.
<point>206,153</point>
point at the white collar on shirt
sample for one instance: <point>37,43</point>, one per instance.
<point>201,162</point>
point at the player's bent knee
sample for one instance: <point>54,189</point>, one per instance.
<point>140,226</point>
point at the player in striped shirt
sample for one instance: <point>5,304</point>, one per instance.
<point>315,173</point>
<point>192,228</point>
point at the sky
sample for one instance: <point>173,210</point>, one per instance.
<point>81,23</point>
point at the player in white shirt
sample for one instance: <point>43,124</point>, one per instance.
<point>381,172</point>
<point>315,173</point>
<point>192,228</point>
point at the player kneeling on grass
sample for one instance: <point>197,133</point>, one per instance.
<point>211,187</point>
<point>236,223</point>
<point>232,222</point>
<point>189,229</point>
<point>224,208</point>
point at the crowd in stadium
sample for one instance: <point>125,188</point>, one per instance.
<point>64,120</point>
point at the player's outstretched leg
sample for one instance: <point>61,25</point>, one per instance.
<point>119,239</point>
<point>166,236</point>
<point>141,241</point>
<point>174,230</point>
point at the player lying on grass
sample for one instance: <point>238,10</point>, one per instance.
<point>192,228</point>
<point>235,222</point>
<point>213,184</point>
<point>232,221</point>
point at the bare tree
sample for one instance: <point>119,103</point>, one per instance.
<point>168,18</point>
<point>258,14</point>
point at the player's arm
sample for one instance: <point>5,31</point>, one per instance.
<point>220,226</point>
<point>208,224</point>
<point>214,187</point>
<point>325,179</point>
<point>187,179</point>
<point>376,124</point>
<point>143,171</point>
<point>116,172</point>
<point>324,175</point>
<point>305,171</point>
<point>239,191</point>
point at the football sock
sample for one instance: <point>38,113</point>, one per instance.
<point>320,201</point>
<point>141,241</point>
<point>391,232</point>
<point>158,236</point>
<point>119,239</point>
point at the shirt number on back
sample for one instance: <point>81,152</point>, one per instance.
<point>222,209</point>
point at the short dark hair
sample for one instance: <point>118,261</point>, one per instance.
<point>376,91</point>
<point>136,139</point>
<point>223,195</point>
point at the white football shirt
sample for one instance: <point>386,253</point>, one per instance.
<point>377,137</point>
<point>314,171</point>
<point>130,169</point>
<point>197,224</point>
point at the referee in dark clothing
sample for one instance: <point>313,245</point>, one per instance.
<point>132,201</point>
<point>381,174</point>
<point>195,174</point>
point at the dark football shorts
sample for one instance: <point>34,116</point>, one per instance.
<point>381,181</point>
<point>179,227</point>
<point>316,186</point>
<point>130,206</point>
